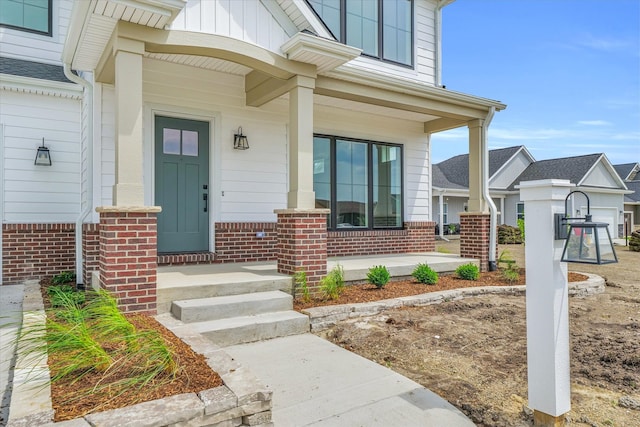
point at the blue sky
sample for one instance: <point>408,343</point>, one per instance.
<point>568,70</point>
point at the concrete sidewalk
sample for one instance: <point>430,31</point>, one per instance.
<point>10,320</point>
<point>316,383</point>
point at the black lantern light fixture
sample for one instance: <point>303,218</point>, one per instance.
<point>587,242</point>
<point>240,141</point>
<point>43,156</point>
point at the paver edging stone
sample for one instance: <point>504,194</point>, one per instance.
<point>241,401</point>
<point>321,318</point>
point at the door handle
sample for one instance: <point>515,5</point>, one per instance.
<point>205,197</point>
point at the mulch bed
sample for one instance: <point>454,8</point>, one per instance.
<point>368,293</point>
<point>193,375</point>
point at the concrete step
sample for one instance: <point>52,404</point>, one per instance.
<point>216,308</point>
<point>244,329</point>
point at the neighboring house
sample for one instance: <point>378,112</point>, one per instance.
<point>629,173</point>
<point>592,174</point>
<point>337,114</point>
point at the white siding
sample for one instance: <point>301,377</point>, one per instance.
<point>600,176</point>
<point>510,213</point>
<point>515,167</point>
<point>246,20</point>
<point>36,47</point>
<point>32,193</point>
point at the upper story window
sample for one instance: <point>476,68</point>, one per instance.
<point>27,15</point>
<point>381,28</point>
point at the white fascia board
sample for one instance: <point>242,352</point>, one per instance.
<point>280,16</point>
<point>46,87</point>
<point>384,81</point>
<point>604,190</point>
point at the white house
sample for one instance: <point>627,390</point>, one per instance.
<point>593,174</point>
<point>144,138</point>
<point>629,173</point>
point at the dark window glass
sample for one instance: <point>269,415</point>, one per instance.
<point>381,28</point>
<point>29,15</point>
<point>360,181</point>
<point>322,174</point>
<point>351,184</point>
<point>387,190</point>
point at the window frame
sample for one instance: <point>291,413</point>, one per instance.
<point>370,185</point>
<point>380,56</point>
<point>518,213</point>
<point>48,33</point>
<point>445,213</point>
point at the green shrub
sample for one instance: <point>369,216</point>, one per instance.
<point>300,279</point>
<point>521,227</point>
<point>425,274</point>
<point>468,272</point>
<point>511,274</point>
<point>64,277</point>
<point>332,285</point>
<point>378,275</point>
<point>65,295</point>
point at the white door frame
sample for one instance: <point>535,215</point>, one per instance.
<point>214,119</point>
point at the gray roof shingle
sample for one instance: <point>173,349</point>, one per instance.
<point>35,70</point>
<point>572,168</point>
<point>454,172</point>
<point>633,197</point>
<point>625,169</point>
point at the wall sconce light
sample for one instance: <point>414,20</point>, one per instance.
<point>585,241</point>
<point>240,141</point>
<point>43,156</point>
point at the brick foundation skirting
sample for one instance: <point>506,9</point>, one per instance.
<point>90,251</point>
<point>415,237</point>
<point>245,241</point>
<point>35,251</point>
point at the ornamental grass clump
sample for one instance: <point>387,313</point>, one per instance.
<point>332,285</point>
<point>425,274</point>
<point>468,272</point>
<point>379,276</point>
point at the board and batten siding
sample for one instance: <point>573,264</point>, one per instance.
<point>37,47</point>
<point>249,21</point>
<point>508,174</point>
<point>40,194</point>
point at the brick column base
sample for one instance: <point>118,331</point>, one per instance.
<point>302,242</point>
<point>474,237</point>
<point>421,236</point>
<point>128,256</point>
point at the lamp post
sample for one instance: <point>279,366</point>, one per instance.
<point>547,298</point>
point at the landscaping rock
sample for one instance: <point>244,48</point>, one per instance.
<point>629,402</point>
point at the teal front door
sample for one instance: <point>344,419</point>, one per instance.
<point>182,182</point>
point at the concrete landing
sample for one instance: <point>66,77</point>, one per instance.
<point>316,383</point>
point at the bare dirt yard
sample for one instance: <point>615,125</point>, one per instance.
<point>473,352</point>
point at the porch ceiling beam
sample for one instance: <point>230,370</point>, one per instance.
<point>261,88</point>
<point>439,125</point>
<point>215,46</point>
<point>395,99</point>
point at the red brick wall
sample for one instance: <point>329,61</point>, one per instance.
<point>35,251</point>
<point>415,237</point>
<point>302,244</point>
<point>128,259</point>
<point>474,237</point>
<point>90,251</point>
<point>238,242</point>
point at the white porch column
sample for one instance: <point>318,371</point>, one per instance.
<point>301,194</point>
<point>547,303</point>
<point>502,220</point>
<point>477,202</point>
<point>128,188</point>
<point>441,205</point>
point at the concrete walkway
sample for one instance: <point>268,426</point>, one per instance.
<point>316,383</point>
<point>10,320</point>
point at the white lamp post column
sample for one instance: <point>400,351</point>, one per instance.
<point>547,303</point>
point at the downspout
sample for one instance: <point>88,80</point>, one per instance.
<point>79,221</point>
<point>493,221</point>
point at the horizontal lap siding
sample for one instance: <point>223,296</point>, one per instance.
<point>248,184</point>
<point>249,21</point>
<point>32,193</point>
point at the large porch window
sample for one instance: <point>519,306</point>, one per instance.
<point>359,181</point>
<point>382,29</point>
